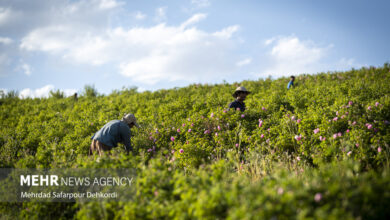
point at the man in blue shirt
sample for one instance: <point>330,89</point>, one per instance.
<point>291,83</point>
<point>240,95</point>
<point>112,133</point>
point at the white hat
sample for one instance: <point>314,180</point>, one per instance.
<point>130,118</point>
<point>240,89</point>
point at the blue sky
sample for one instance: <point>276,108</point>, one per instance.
<point>155,44</point>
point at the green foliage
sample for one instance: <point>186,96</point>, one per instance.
<point>58,94</point>
<point>90,91</point>
<point>317,151</point>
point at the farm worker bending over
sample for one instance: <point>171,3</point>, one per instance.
<point>291,83</point>
<point>240,95</point>
<point>113,132</point>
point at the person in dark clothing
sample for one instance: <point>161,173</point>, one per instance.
<point>240,95</point>
<point>291,83</point>
<point>112,133</point>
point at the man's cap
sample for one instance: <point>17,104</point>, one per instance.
<point>240,89</point>
<point>130,118</point>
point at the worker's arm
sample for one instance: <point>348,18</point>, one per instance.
<point>126,135</point>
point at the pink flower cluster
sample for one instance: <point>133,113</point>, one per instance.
<point>369,126</point>
<point>260,123</point>
<point>322,138</point>
<point>337,135</point>
<point>316,130</point>
<point>298,137</point>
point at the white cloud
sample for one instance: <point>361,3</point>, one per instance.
<point>49,39</point>
<point>244,62</point>
<point>26,69</point>
<point>37,93</point>
<point>69,92</point>
<point>269,41</point>
<point>109,4</point>
<point>161,14</point>
<point>5,40</point>
<point>139,15</point>
<point>226,33</point>
<point>5,61</point>
<point>194,19</point>
<point>5,15</point>
<point>43,92</point>
<point>145,54</point>
<point>290,55</point>
<point>201,3</point>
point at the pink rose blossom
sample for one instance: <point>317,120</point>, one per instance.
<point>216,134</point>
<point>172,139</point>
<point>183,125</point>
<point>173,151</point>
<point>242,116</point>
<point>189,130</point>
<point>347,130</point>
<point>369,126</point>
<point>318,197</point>
<point>181,151</point>
<point>337,113</point>
<point>316,130</point>
<point>260,124</point>
<point>369,108</point>
<point>350,103</point>
<point>354,123</point>
<point>238,109</point>
<point>178,130</point>
<point>262,136</point>
<point>236,145</point>
<point>298,138</point>
<point>357,145</point>
<point>219,128</point>
<point>349,153</point>
<point>339,134</point>
<point>150,150</point>
<point>298,158</point>
<point>264,109</point>
<point>293,117</point>
<point>335,118</point>
<point>334,136</point>
<point>212,115</point>
<point>379,149</point>
<point>376,104</point>
<point>299,121</point>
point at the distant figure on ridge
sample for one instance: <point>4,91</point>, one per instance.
<point>240,95</point>
<point>113,132</point>
<point>291,83</point>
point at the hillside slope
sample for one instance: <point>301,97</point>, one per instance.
<point>318,150</point>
